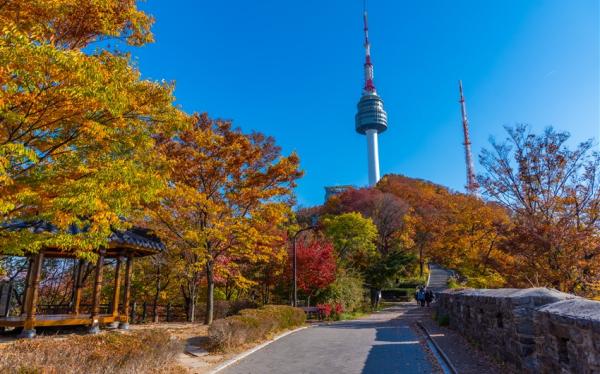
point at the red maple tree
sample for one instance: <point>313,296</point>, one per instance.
<point>316,265</point>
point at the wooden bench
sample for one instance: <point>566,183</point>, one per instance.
<point>311,310</point>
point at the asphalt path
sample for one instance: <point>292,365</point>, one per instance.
<point>383,342</point>
<point>438,278</point>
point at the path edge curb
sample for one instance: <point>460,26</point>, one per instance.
<point>252,350</point>
<point>438,349</point>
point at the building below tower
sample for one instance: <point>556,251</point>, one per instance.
<point>331,191</point>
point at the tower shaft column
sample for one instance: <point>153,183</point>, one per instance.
<point>373,156</point>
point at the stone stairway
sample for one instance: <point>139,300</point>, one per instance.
<point>438,277</point>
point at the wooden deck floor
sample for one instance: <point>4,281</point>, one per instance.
<point>58,320</point>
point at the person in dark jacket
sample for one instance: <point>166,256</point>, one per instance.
<point>428,296</point>
<point>421,297</point>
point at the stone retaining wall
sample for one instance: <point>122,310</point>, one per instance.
<point>538,330</point>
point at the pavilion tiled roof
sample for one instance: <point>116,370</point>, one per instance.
<point>135,236</point>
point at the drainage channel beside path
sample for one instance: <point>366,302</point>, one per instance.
<point>384,342</point>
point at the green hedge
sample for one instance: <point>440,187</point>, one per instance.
<point>402,294</point>
<point>252,325</point>
<point>412,285</point>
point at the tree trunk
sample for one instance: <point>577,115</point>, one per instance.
<point>188,292</point>
<point>192,303</point>
<point>156,294</point>
<point>373,298</point>
<point>227,290</point>
<point>210,283</point>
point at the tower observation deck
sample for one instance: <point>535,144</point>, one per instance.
<point>371,118</point>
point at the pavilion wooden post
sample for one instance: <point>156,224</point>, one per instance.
<point>27,288</point>
<point>9,293</point>
<point>32,296</point>
<point>78,287</point>
<point>117,292</point>
<point>125,317</point>
<point>95,324</point>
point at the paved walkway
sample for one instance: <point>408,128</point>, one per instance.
<point>381,343</point>
<point>438,277</point>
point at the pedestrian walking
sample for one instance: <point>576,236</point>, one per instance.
<point>428,296</point>
<point>421,297</point>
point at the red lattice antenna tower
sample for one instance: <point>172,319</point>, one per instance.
<point>472,185</point>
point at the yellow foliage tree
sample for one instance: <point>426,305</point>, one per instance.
<point>229,193</point>
<point>75,128</point>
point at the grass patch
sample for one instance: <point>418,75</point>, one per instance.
<point>351,316</point>
<point>145,351</point>
<point>253,325</point>
<point>454,283</point>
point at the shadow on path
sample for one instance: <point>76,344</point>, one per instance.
<point>380,343</point>
<point>397,348</point>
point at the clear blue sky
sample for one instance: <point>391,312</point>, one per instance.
<point>293,69</point>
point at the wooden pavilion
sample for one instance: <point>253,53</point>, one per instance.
<point>123,246</point>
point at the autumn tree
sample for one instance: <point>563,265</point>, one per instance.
<point>155,279</point>
<point>390,214</point>
<point>316,265</point>
<point>553,194</point>
<point>228,194</point>
<point>427,202</point>
<point>456,230</point>
<point>353,237</point>
<point>469,239</point>
<point>384,268</point>
<point>264,279</point>
<point>75,126</point>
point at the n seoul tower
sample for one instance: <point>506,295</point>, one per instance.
<point>370,119</point>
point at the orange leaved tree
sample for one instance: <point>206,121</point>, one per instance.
<point>228,191</point>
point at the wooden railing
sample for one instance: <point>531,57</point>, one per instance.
<point>68,308</point>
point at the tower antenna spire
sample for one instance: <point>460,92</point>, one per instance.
<point>471,181</point>
<point>368,66</point>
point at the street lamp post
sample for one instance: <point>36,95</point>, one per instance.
<point>294,261</point>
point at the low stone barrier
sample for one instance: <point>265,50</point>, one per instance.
<point>538,330</point>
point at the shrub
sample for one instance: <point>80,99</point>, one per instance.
<point>143,351</point>
<point>453,283</point>
<point>347,290</point>
<point>252,325</point>
<point>324,311</point>
<point>237,306</point>
<point>223,308</point>
<point>489,279</point>
<point>398,294</point>
<point>339,309</point>
<point>331,311</point>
